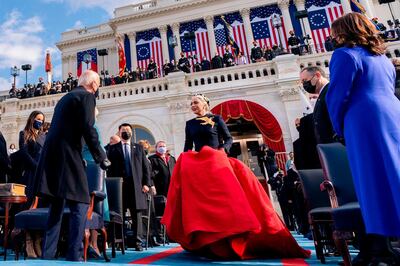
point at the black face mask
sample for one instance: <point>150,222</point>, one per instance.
<point>37,124</point>
<point>126,135</point>
<point>336,44</point>
<point>308,87</point>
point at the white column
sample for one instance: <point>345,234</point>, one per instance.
<point>113,63</point>
<point>72,65</point>
<point>245,12</point>
<point>284,7</point>
<point>211,34</point>
<point>64,66</point>
<point>132,42</point>
<point>301,5</point>
<point>177,49</point>
<point>368,8</point>
<point>164,42</point>
<point>346,6</point>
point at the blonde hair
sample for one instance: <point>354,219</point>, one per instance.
<point>87,78</point>
<point>204,100</point>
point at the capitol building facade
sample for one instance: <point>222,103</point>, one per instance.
<point>260,101</point>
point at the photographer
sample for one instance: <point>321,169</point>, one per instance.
<point>266,160</point>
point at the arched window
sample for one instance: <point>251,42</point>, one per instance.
<point>142,133</point>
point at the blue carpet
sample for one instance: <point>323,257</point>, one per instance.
<point>180,258</point>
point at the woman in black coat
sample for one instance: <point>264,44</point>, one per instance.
<point>31,141</point>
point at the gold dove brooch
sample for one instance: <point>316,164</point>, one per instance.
<point>206,121</point>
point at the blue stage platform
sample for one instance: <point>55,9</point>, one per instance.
<point>174,255</point>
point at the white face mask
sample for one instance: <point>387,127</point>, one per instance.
<point>162,150</point>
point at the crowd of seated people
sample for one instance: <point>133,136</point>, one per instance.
<point>42,88</point>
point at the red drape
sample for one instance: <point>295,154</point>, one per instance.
<point>262,118</point>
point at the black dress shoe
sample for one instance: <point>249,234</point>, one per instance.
<point>154,242</point>
<point>92,254</point>
<point>138,247</point>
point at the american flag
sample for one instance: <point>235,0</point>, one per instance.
<point>236,21</point>
<point>148,45</point>
<point>200,45</point>
<point>81,60</point>
<point>263,30</point>
<point>321,14</point>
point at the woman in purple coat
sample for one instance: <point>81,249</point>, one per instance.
<point>364,110</point>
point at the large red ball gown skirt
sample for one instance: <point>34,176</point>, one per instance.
<point>217,207</point>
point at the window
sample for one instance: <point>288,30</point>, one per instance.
<point>142,133</point>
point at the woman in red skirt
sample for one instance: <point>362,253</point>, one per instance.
<point>216,206</point>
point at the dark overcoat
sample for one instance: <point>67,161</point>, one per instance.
<point>30,155</point>
<point>161,173</point>
<point>133,197</point>
<point>322,122</point>
<point>61,169</point>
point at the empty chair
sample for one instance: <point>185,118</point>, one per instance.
<point>319,210</point>
<point>338,182</point>
<point>114,195</point>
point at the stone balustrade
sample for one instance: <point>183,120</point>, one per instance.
<point>250,74</point>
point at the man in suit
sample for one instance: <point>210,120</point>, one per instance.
<point>306,148</point>
<point>152,69</point>
<point>184,64</point>
<point>128,160</point>
<point>294,43</point>
<point>315,82</point>
<point>61,168</point>
<point>228,58</point>
<point>162,165</point>
<point>256,53</point>
<point>205,64</point>
<point>217,62</point>
<point>4,160</point>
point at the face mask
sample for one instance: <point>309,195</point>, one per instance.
<point>162,150</point>
<point>336,44</point>
<point>126,135</point>
<point>37,124</point>
<point>308,87</point>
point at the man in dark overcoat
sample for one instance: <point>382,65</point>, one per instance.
<point>61,168</point>
<point>162,165</point>
<point>315,82</point>
<point>128,160</point>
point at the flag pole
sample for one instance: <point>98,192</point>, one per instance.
<point>48,67</point>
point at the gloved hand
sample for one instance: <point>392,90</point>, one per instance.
<point>105,164</point>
